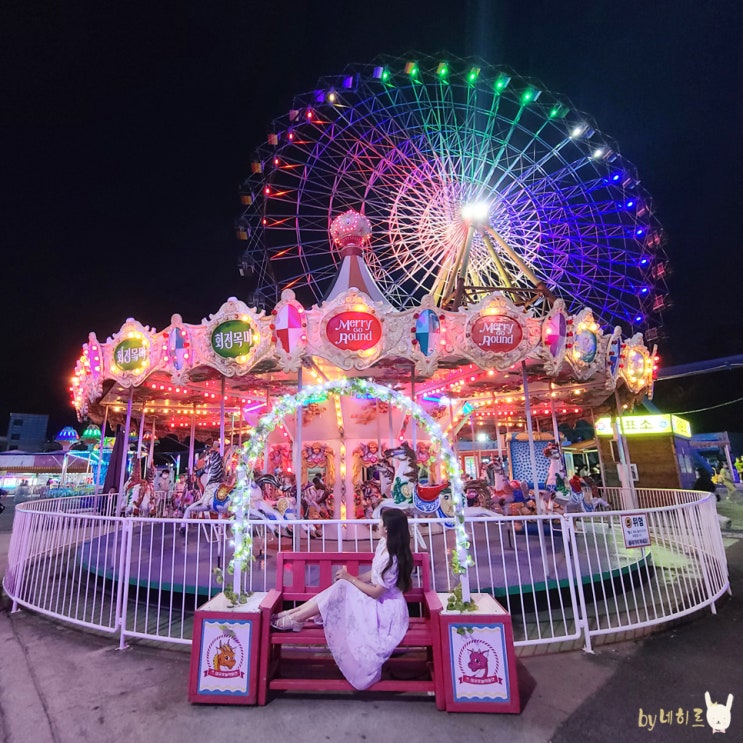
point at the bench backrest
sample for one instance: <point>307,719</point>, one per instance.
<point>300,575</point>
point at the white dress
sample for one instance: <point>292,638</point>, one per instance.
<point>361,631</point>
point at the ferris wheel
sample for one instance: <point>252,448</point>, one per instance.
<point>473,178</point>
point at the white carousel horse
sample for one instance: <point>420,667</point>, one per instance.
<point>217,499</point>
<point>407,494</point>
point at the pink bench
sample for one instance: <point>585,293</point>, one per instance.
<point>295,661</point>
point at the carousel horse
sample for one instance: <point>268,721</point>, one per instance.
<point>578,503</point>
<point>370,495</point>
<point>314,498</point>
<point>407,494</point>
<point>139,493</point>
<point>405,473</point>
<point>556,486</point>
<point>473,491</point>
<point>215,498</point>
<point>500,483</point>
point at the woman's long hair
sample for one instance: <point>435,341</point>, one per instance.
<point>398,546</point>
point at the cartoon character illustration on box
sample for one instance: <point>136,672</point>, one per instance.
<point>224,657</point>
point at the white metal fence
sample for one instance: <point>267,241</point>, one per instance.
<point>562,578</point>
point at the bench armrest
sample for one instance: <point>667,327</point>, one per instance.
<point>432,603</point>
<point>270,601</point>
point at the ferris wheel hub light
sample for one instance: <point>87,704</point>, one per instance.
<point>476,212</point>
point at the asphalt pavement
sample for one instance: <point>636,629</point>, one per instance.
<point>61,684</point>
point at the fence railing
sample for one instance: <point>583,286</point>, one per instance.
<point>562,578</point>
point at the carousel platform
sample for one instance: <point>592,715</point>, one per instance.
<point>509,564</point>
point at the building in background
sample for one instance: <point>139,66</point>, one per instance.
<point>26,432</point>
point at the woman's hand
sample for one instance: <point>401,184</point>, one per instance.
<point>343,574</point>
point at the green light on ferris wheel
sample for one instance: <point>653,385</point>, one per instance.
<point>559,111</point>
<point>501,82</point>
<point>529,96</point>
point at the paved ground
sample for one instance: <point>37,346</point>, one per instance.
<point>59,684</point>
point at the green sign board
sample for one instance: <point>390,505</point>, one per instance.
<point>130,353</point>
<point>232,339</point>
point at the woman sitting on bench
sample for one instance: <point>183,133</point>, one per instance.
<point>365,617</point>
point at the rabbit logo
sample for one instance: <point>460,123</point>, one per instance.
<point>718,715</point>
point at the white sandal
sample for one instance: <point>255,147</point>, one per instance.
<point>285,623</point>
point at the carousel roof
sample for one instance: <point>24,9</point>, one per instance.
<point>471,361</point>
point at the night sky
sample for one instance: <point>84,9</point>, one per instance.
<point>129,126</point>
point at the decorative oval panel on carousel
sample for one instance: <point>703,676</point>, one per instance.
<point>233,340</point>
<point>554,337</point>
<point>613,356</point>
<point>351,331</point>
<point>584,337</point>
<point>425,337</point>
<point>289,330</point>
<point>499,334</point>
<point>131,353</point>
<point>177,352</point>
<point>87,381</point>
<point>636,365</point>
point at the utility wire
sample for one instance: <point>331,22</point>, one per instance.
<point>711,407</point>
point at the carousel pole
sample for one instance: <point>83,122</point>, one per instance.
<point>122,472</point>
<point>151,453</point>
<point>598,451</point>
<point>379,432</point>
<point>530,431</point>
<point>508,453</point>
<point>475,451</point>
<point>267,449</point>
<point>100,451</point>
<point>555,429</point>
<point>389,418</point>
<point>221,419</point>
<point>140,437</point>
<point>455,440</point>
<point>499,440</point>
<point>191,442</point>
<point>533,457</point>
<point>297,463</point>
<point>628,485</point>
<point>414,426</point>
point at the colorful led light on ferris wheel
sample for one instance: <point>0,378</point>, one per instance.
<point>501,82</point>
<point>442,70</point>
<point>559,111</point>
<point>530,95</point>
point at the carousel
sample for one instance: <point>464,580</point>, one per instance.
<point>432,293</point>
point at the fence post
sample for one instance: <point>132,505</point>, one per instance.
<point>18,554</point>
<point>122,589</point>
<point>582,618</point>
<point>698,515</point>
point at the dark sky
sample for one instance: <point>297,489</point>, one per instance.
<point>128,127</point>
